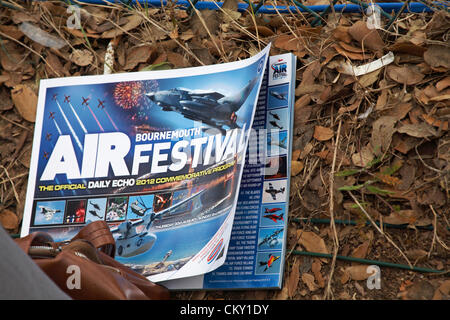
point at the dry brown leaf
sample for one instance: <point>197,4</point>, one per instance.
<point>81,57</point>
<point>368,79</point>
<point>315,268</point>
<point>357,272</point>
<point>368,38</point>
<point>443,84</point>
<point>435,122</point>
<point>441,97</point>
<point>352,107</point>
<point>138,55</point>
<point>262,31</point>
<point>323,133</point>
<point>349,47</point>
<point>25,101</point>
<point>133,22</point>
<point>399,111</point>
<point>408,48</point>
<point>442,291</point>
<point>421,130</point>
<point>12,31</point>
<point>437,56</point>
<point>296,167</point>
<point>311,72</point>
<point>416,254</point>
<point>9,220</point>
<point>54,66</point>
<point>404,75</point>
<point>382,131</point>
<point>383,97</point>
<point>296,154</point>
<point>311,242</point>
<point>177,60</point>
<point>293,279</point>
<point>5,100</point>
<point>349,54</point>
<point>401,217</point>
<point>341,33</point>
<point>287,42</point>
<point>362,159</point>
<point>362,250</point>
<point>308,279</point>
<point>202,19</point>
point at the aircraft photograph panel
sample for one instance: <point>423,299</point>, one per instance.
<point>75,211</point>
<point>277,143</point>
<point>139,206</point>
<point>49,212</point>
<point>116,208</point>
<point>270,239</point>
<point>278,96</point>
<point>274,191</point>
<point>276,168</point>
<point>273,215</point>
<point>268,262</point>
<point>95,209</point>
<point>278,119</point>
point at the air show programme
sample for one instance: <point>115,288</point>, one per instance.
<point>157,155</point>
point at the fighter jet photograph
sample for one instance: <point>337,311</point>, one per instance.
<point>270,240</point>
<point>134,237</point>
<point>212,108</point>
<point>272,210</point>
<point>278,95</point>
<point>275,218</point>
<point>273,192</point>
<point>269,263</point>
<point>52,115</point>
<point>66,98</point>
<point>49,212</point>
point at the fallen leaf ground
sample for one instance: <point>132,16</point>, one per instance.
<point>370,147</point>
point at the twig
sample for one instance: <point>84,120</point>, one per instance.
<point>435,231</point>
<point>12,184</point>
<point>328,292</point>
<point>15,123</point>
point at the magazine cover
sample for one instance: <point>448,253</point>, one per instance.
<point>256,254</point>
<point>158,155</point>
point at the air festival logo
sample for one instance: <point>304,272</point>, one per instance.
<point>279,69</point>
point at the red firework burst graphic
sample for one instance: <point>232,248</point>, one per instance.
<point>128,95</point>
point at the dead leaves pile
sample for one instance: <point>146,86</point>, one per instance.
<point>387,91</point>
